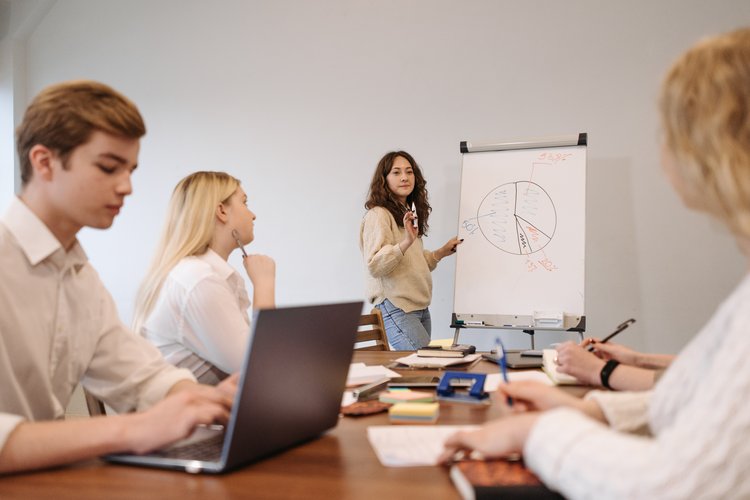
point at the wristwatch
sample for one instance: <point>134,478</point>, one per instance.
<point>606,372</point>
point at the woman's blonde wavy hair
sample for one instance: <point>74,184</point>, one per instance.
<point>189,228</point>
<point>705,112</point>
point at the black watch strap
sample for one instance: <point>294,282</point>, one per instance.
<point>606,372</point>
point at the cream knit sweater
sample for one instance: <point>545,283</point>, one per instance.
<point>402,278</point>
<point>697,420</point>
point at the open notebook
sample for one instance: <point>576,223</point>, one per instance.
<point>289,391</point>
<point>549,365</point>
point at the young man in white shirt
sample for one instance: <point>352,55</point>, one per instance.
<point>78,147</point>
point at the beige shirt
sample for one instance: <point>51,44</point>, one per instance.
<point>200,317</point>
<point>59,326</point>
<point>402,278</point>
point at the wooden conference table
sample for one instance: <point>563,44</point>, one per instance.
<point>340,464</point>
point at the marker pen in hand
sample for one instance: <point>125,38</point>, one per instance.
<point>414,211</point>
<point>619,329</point>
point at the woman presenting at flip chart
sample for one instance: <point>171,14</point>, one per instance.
<point>398,279</point>
<point>192,304</point>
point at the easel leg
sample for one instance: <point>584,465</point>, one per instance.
<point>455,337</point>
<point>531,334</point>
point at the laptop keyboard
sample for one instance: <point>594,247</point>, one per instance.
<point>208,450</point>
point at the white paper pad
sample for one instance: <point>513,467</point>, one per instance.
<point>410,445</point>
<point>493,380</point>
<point>549,365</point>
<point>360,373</point>
<point>421,362</point>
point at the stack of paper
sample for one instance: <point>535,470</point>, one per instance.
<point>421,362</point>
<point>410,445</point>
<point>360,374</point>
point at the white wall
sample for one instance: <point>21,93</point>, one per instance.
<point>300,99</point>
<point>17,20</point>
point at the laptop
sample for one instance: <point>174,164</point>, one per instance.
<point>289,392</point>
<point>515,359</point>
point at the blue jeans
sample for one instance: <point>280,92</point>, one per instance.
<point>406,331</point>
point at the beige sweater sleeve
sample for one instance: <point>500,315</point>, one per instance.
<point>379,246</point>
<point>402,278</point>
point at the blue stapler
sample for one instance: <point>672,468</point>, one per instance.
<point>446,390</point>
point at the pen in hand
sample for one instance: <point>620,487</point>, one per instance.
<point>503,366</point>
<point>414,221</point>
<point>620,328</point>
<point>236,236</point>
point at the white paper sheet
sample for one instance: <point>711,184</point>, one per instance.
<point>493,380</point>
<point>421,362</point>
<point>410,445</point>
<point>360,373</point>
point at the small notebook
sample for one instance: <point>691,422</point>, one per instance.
<point>455,351</point>
<point>549,365</point>
<point>477,479</point>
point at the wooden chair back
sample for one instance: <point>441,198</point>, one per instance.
<point>94,404</point>
<point>371,328</point>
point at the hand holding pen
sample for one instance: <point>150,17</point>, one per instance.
<point>449,248</point>
<point>261,270</point>
<point>411,229</point>
<point>236,236</point>
<point>593,342</point>
<point>501,361</point>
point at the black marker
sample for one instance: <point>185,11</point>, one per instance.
<point>620,328</point>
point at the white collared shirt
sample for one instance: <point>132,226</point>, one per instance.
<point>59,326</point>
<point>200,317</point>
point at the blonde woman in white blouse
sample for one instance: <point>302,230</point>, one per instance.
<point>688,437</point>
<point>192,304</point>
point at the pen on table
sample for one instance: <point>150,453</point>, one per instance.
<point>414,211</point>
<point>236,236</point>
<point>366,391</point>
<point>620,328</point>
<point>501,361</point>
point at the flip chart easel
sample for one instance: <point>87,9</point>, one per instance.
<point>522,216</point>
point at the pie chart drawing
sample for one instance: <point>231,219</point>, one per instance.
<point>518,217</point>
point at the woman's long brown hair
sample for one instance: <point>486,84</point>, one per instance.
<point>380,196</point>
